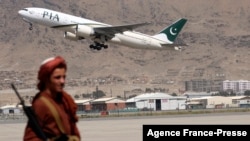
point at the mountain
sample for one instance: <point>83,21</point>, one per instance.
<point>217,34</point>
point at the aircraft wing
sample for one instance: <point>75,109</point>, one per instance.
<point>65,26</point>
<point>110,31</point>
<point>174,45</point>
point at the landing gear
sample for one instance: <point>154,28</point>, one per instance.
<point>31,27</point>
<point>30,24</point>
<point>98,46</point>
<point>105,46</point>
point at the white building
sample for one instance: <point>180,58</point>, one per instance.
<point>241,101</point>
<point>157,101</point>
<point>239,86</point>
<point>209,102</point>
<point>10,109</point>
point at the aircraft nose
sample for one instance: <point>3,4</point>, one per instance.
<point>21,12</point>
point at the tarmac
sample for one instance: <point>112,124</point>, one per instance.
<point>127,128</point>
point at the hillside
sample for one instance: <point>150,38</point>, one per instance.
<point>217,34</point>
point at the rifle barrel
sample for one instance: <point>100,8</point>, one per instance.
<point>31,116</point>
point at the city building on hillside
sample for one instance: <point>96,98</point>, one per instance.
<point>237,86</point>
<point>203,85</point>
<point>157,101</point>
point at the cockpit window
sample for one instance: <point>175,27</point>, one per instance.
<point>25,9</point>
<point>31,11</point>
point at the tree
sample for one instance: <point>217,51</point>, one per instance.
<point>98,94</point>
<point>87,95</point>
<point>174,94</point>
<point>223,93</point>
<point>131,96</point>
<point>247,93</point>
<point>148,90</point>
<point>76,96</point>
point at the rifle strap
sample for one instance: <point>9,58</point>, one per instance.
<point>54,113</point>
<point>58,121</point>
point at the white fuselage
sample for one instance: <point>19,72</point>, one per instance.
<point>52,18</point>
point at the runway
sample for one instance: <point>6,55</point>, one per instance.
<point>128,128</point>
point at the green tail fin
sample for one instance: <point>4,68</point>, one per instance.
<point>172,31</point>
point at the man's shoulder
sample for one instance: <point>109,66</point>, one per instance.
<point>68,95</point>
<point>38,102</point>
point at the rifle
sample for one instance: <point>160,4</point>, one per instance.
<point>31,116</point>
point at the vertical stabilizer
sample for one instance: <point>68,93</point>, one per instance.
<point>170,33</point>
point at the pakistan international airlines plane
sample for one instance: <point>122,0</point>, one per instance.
<point>78,28</point>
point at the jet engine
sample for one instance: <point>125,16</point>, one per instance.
<point>72,36</point>
<point>84,31</point>
<point>178,48</point>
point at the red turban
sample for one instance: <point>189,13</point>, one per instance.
<point>47,67</point>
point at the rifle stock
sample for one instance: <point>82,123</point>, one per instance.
<point>31,116</point>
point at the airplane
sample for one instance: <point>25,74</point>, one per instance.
<point>78,28</point>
